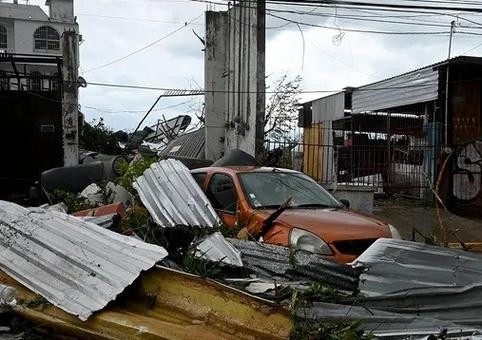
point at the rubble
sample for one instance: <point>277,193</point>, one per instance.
<point>172,196</point>
<point>75,265</point>
<point>280,264</point>
<point>393,265</point>
<point>215,248</point>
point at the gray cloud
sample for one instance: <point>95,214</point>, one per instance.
<point>177,61</point>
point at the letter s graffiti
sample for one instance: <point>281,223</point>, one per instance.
<point>467,175</point>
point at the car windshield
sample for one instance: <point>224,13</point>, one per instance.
<point>268,190</point>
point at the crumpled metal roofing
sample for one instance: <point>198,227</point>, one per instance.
<point>275,262</point>
<point>75,265</point>
<point>395,265</point>
<point>216,248</point>
<point>386,325</point>
<point>172,196</point>
<point>461,305</point>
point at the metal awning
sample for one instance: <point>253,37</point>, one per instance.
<point>418,86</point>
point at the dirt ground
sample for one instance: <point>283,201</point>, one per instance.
<point>408,214</point>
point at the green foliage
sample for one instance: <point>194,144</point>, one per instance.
<point>71,200</point>
<point>96,136</point>
<point>202,267</point>
<point>132,171</point>
<point>324,329</point>
<point>137,221</point>
<point>330,330</point>
<point>37,301</point>
<point>292,258</point>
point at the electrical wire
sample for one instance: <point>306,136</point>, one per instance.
<point>105,110</point>
<point>144,47</point>
<point>444,33</point>
<point>133,19</point>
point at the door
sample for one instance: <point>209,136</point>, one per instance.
<point>221,191</point>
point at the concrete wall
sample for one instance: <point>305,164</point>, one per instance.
<point>61,9</point>
<point>21,21</point>
<point>215,82</point>
<point>235,43</point>
<point>360,197</point>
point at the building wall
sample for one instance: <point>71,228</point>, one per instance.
<point>21,21</point>
<point>235,97</point>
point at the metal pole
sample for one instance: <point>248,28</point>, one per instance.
<point>447,73</point>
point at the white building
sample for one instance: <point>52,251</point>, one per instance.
<point>27,29</point>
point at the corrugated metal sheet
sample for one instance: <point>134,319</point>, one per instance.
<point>216,248</point>
<point>172,196</point>
<point>75,265</point>
<point>328,108</point>
<point>461,305</point>
<point>275,263</point>
<point>395,265</point>
<point>410,88</point>
<point>189,145</point>
<point>386,325</point>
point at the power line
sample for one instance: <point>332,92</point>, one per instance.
<point>371,31</point>
<point>145,47</point>
<point>133,19</point>
<point>195,92</point>
<point>380,5</point>
<point>105,110</point>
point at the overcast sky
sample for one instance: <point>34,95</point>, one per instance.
<point>177,61</point>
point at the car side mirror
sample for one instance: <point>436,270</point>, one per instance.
<point>345,202</point>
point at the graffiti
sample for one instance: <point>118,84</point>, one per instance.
<point>467,173</point>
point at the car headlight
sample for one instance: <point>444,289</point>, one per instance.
<point>395,233</point>
<point>304,240</point>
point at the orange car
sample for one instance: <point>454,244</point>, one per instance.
<point>288,208</point>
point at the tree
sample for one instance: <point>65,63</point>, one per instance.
<point>282,108</point>
<point>97,137</point>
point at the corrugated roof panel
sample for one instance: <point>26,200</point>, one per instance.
<point>461,305</point>
<point>273,262</point>
<point>190,145</point>
<point>395,265</point>
<point>75,265</point>
<point>414,87</point>
<point>172,196</point>
<point>387,325</point>
<point>328,108</point>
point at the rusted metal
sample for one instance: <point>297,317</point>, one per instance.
<point>167,304</point>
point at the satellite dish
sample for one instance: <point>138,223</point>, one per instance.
<point>82,82</point>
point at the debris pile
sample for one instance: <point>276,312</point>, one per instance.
<point>122,238</point>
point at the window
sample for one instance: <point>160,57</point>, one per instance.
<point>222,193</point>
<point>46,38</point>
<point>200,177</point>
<point>3,37</point>
<point>269,190</point>
<point>4,81</point>
<point>35,81</point>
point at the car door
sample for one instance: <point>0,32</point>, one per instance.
<point>221,191</point>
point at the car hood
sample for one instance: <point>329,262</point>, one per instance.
<point>335,224</point>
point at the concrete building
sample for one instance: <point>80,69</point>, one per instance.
<point>39,61</point>
<point>234,80</point>
<point>27,29</point>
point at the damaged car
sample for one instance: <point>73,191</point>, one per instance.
<point>288,208</point>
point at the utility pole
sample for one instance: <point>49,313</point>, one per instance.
<point>70,101</point>
<point>447,76</point>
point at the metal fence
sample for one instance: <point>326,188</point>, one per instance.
<point>400,160</point>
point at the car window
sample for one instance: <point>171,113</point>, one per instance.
<point>271,189</point>
<point>199,177</point>
<point>222,193</point>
